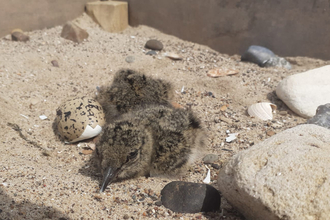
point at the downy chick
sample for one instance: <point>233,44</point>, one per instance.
<point>158,140</point>
<point>131,89</point>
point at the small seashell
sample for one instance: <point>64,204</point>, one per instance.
<point>262,110</point>
<point>221,72</point>
<point>173,56</point>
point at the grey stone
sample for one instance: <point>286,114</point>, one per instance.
<point>74,33</point>
<point>322,117</point>
<point>284,177</point>
<point>130,59</point>
<point>154,45</point>
<point>188,197</point>
<point>264,57</point>
<point>151,52</point>
<point>210,158</point>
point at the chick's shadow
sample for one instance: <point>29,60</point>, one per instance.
<point>10,209</point>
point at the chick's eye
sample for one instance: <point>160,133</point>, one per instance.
<point>132,155</point>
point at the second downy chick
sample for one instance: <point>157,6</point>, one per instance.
<point>131,89</point>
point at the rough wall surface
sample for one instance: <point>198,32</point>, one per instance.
<point>289,28</point>
<point>37,14</point>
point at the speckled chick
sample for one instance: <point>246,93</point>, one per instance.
<point>129,90</point>
<point>158,140</point>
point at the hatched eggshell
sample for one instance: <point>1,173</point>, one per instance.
<point>221,72</point>
<point>79,118</point>
<point>262,110</point>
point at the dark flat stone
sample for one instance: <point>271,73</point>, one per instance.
<point>186,197</point>
<point>322,116</point>
<point>154,45</point>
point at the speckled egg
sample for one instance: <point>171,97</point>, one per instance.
<point>79,118</point>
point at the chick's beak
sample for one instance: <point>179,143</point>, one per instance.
<point>108,177</point>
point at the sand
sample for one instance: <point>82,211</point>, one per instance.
<point>42,178</point>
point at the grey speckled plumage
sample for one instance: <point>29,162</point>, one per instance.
<point>131,89</point>
<point>157,140</point>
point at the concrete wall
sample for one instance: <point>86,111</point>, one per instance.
<point>288,27</point>
<point>37,14</point>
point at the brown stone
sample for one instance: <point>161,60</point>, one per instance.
<point>18,35</point>
<point>112,16</point>
<point>73,32</point>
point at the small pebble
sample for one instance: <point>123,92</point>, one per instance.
<point>55,63</point>
<point>210,158</point>
<point>151,53</point>
<point>154,45</point>
<point>158,203</point>
<point>126,216</point>
<point>19,36</point>
<point>215,166</point>
<point>130,59</point>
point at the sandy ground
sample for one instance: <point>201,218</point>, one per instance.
<point>42,178</point>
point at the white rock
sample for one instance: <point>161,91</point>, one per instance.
<point>304,92</point>
<point>284,177</point>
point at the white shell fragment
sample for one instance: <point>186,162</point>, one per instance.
<point>207,179</point>
<point>231,137</point>
<point>262,110</point>
<point>88,133</point>
<point>43,117</point>
<point>173,56</point>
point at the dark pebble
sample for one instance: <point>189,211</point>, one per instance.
<point>215,166</point>
<point>126,216</point>
<point>55,63</point>
<point>322,116</point>
<point>210,158</point>
<point>186,197</point>
<point>154,45</point>
<point>130,59</point>
<point>151,53</point>
<point>19,36</point>
<point>158,203</point>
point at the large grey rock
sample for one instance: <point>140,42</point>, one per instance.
<point>304,92</point>
<point>284,177</point>
<point>322,116</point>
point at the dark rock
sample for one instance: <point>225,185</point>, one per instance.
<point>130,59</point>
<point>73,32</point>
<point>264,57</point>
<point>55,63</point>
<point>19,36</point>
<point>154,45</point>
<point>151,53</point>
<point>188,197</point>
<point>210,158</point>
<point>322,116</point>
<point>215,166</point>
<point>158,203</point>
